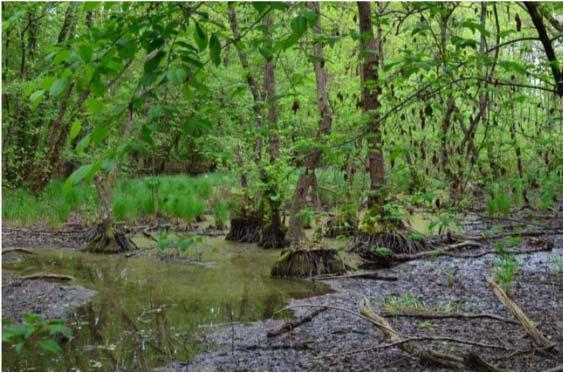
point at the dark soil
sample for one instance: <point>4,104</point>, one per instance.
<point>446,283</point>
<point>49,300</point>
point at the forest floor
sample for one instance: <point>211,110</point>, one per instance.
<point>339,341</point>
<point>336,340</point>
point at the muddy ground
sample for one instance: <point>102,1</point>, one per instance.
<point>332,340</point>
<point>49,300</point>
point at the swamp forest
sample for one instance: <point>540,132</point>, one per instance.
<point>282,186</point>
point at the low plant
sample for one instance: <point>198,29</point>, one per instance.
<point>34,332</point>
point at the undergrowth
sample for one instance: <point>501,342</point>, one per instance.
<point>181,197</point>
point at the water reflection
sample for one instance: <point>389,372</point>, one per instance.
<point>148,313</point>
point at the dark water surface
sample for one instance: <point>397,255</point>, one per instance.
<point>148,312</point>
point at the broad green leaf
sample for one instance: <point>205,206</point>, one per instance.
<point>75,129</point>
<point>93,106</point>
<point>200,37</point>
<point>260,6</point>
<point>100,133</point>
<point>83,144</point>
<point>91,5</point>
<point>266,53</point>
<point>85,52</point>
<point>299,25</point>
<point>215,48</point>
<point>50,345</point>
<point>311,17</point>
<point>177,76</point>
<point>36,98</point>
<point>152,63</point>
<point>59,86</point>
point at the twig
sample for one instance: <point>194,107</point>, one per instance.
<point>419,339</point>
<point>372,275</point>
<point>290,325</point>
<point>451,316</point>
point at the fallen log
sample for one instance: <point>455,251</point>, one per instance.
<point>291,325</point>
<point>516,311</point>
<point>497,252</point>
<point>47,276</point>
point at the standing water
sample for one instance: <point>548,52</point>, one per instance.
<point>147,313</point>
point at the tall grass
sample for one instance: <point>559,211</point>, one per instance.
<point>183,197</point>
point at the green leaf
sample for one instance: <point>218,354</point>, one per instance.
<point>75,129</point>
<point>83,144</point>
<point>59,86</point>
<point>93,106</point>
<point>260,6</point>
<point>200,37</point>
<point>85,52</point>
<point>299,25</point>
<point>177,76</point>
<point>36,98</point>
<point>215,49</point>
<point>50,345</point>
<point>513,66</point>
<point>266,53</point>
<point>85,172</point>
<point>311,17</point>
<point>100,133</point>
<point>91,5</point>
<point>197,125</point>
<point>62,56</point>
<point>152,63</point>
<point>19,347</point>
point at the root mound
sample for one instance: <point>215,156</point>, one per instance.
<point>273,238</point>
<point>110,240</point>
<point>379,249</point>
<point>336,227</point>
<point>306,259</point>
<point>244,230</point>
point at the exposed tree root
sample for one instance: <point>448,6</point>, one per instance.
<point>307,259</point>
<point>516,311</point>
<point>107,239</point>
<point>337,226</point>
<point>291,325</point>
<point>273,238</point>
<point>47,276</point>
<point>381,249</point>
<point>244,230</point>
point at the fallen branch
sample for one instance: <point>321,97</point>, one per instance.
<point>420,339</point>
<point>47,276</point>
<point>516,311</point>
<point>496,252</point>
<point>450,316</point>
<point>371,275</point>
<point>149,236</point>
<point>441,358</point>
<point>290,325</point>
<point>433,253</point>
<point>17,250</point>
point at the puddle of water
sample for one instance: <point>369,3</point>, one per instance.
<point>148,313</point>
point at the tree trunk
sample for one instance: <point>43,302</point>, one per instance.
<point>306,179</point>
<point>537,19</point>
<point>370,46</point>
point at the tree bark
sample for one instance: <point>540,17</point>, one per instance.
<point>537,19</point>
<point>370,47</point>
<point>306,179</point>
